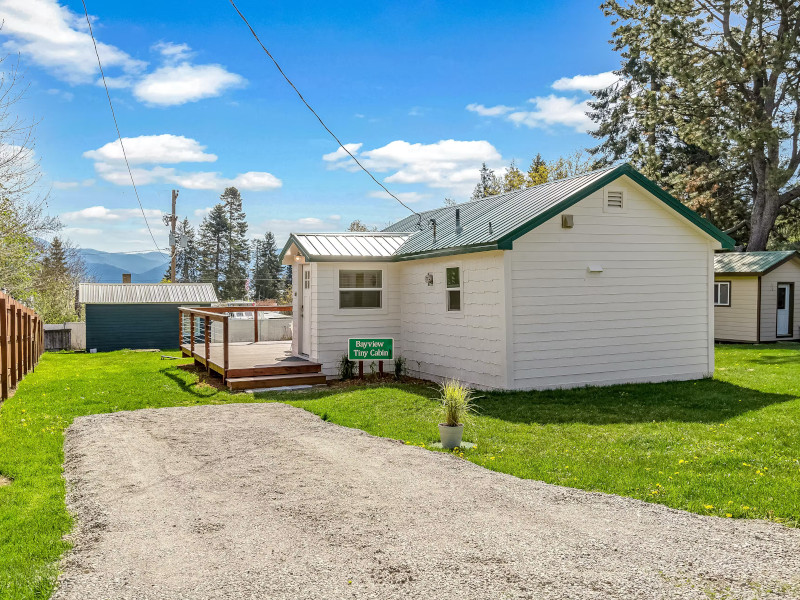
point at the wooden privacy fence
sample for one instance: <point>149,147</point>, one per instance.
<point>21,343</point>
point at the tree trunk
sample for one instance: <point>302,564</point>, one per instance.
<point>765,212</point>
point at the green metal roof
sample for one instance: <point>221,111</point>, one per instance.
<point>754,263</point>
<point>494,223</point>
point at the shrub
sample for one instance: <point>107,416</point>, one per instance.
<point>399,367</point>
<point>456,399</point>
<point>347,368</point>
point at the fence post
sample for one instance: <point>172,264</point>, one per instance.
<point>13,362</point>
<point>4,366</point>
<point>255,324</point>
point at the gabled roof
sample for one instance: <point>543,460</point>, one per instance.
<point>494,223</point>
<point>350,245</point>
<point>146,293</point>
<point>751,263</point>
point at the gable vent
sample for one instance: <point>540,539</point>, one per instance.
<point>614,199</point>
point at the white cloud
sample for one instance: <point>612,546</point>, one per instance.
<point>447,164</point>
<point>73,231</point>
<point>489,111</point>
<point>404,196</point>
<point>252,180</point>
<point>173,52</point>
<point>555,110</point>
<point>57,39</point>
<point>165,148</point>
<point>68,185</point>
<point>101,213</point>
<point>340,152</point>
<point>177,84</point>
<point>586,83</point>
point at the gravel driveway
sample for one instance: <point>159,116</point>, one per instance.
<point>269,501</point>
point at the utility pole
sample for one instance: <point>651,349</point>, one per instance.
<point>173,241</point>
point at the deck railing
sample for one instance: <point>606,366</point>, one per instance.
<point>21,343</point>
<point>195,329</point>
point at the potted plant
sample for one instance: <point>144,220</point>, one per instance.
<point>456,399</point>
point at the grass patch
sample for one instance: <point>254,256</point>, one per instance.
<point>727,446</point>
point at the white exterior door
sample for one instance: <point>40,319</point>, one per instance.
<point>305,310</point>
<point>784,306</point>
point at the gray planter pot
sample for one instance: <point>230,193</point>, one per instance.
<point>451,435</point>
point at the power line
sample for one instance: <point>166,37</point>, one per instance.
<point>119,135</point>
<point>333,135</point>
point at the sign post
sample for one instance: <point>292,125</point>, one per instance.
<point>361,349</point>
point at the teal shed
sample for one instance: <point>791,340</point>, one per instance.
<point>138,315</point>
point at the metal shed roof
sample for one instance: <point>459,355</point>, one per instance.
<point>755,263</point>
<point>494,223</point>
<point>349,245</point>
<point>146,293</point>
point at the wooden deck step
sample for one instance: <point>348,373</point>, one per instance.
<point>270,381</point>
<point>287,368</point>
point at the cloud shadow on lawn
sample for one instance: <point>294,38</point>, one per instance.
<point>703,401</point>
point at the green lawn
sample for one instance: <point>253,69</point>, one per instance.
<point>728,446</point>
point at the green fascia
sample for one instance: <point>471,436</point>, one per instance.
<point>447,252</point>
<point>507,241</point>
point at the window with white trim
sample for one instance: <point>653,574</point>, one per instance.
<point>453,288</point>
<point>361,288</point>
<point>722,293</point>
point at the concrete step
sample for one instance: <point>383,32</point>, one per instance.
<point>269,381</point>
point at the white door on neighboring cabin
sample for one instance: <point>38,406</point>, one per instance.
<point>784,306</point>
<point>305,309</point>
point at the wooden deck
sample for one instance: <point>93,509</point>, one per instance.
<point>254,365</point>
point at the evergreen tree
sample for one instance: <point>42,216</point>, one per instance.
<point>710,99</point>
<point>61,270</point>
<point>513,179</point>
<point>212,248</point>
<point>267,271</point>
<point>488,185</point>
<point>537,172</point>
<point>186,259</point>
<point>238,248</point>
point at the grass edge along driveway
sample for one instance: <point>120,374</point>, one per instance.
<point>724,447</point>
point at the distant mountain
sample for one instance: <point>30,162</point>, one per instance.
<point>108,267</point>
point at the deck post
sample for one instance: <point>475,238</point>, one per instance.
<point>255,325</point>
<point>191,334</point>
<point>225,348</point>
<point>207,331</point>
<point>3,349</point>
<point>180,330</point>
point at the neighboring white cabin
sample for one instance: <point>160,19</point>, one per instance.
<point>754,296</point>
<point>619,289</point>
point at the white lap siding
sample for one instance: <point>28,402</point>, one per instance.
<point>739,321</point>
<point>331,327</point>
<point>469,345</point>
<point>646,317</point>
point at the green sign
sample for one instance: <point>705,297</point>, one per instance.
<point>370,349</point>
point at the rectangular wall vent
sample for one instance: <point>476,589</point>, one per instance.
<point>614,199</point>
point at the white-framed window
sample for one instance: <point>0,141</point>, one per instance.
<point>453,288</point>
<point>722,293</point>
<point>614,200</point>
<point>360,288</point>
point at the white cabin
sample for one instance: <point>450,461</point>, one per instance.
<point>593,280</point>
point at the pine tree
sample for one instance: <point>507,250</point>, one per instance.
<point>488,185</point>
<point>267,270</point>
<point>238,255</point>
<point>513,179</point>
<point>212,248</point>
<point>186,259</point>
<point>61,270</point>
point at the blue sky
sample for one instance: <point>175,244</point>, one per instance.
<point>424,91</point>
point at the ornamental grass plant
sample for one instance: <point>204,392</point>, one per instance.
<point>456,402</point>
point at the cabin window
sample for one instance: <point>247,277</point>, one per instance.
<point>453,291</point>
<point>722,293</point>
<point>361,288</point>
